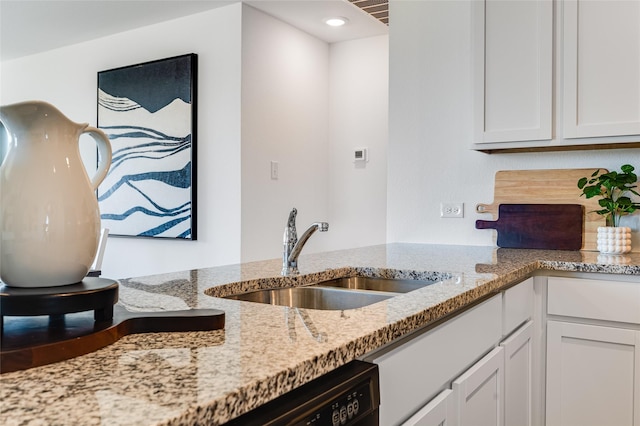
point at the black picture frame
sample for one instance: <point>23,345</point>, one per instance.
<point>149,113</point>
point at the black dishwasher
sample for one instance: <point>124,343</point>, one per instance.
<point>346,396</point>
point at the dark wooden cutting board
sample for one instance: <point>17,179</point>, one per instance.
<point>538,226</point>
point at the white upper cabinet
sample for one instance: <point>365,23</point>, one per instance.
<point>512,70</point>
<point>555,75</point>
<point>601,58</point>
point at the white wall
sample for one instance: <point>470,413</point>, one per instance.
<point>306,104</point>
<point>285,118</point>
<point>359,108</point>
<point>430,131</point>
<point>67,78</point>
<point>266,92</point>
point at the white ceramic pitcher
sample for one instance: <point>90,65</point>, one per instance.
<point>49,215</point>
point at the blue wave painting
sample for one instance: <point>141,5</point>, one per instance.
<point>147,112</point>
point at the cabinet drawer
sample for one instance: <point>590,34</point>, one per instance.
<point>517,306</point>
<point>594,299</point>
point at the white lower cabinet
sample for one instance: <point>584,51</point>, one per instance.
<point>474,369</point>
<point>479,392</point>
<point>475,399</point>
<point>417,369</point>
<point>489,364</point>
<point>593,375</point>
<point>593,351</point>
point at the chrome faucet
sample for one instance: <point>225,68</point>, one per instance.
<point>293,246</point>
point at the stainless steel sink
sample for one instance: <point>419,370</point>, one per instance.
<point>394,285</point>
<point>313,297</point>
<point>335,294</point>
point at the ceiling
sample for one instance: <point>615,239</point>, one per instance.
<point>33,26</point>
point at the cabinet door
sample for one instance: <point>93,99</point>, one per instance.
<point>518,353</point>
<point>512,70</point>
<point>601,84</point>
<point>478,392</point>
<point>438,412</point>
<point>593,375</point>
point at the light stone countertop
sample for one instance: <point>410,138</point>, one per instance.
<point>264,351</point>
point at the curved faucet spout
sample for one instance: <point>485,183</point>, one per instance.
<point>293,246</point>
<point>317,226</point>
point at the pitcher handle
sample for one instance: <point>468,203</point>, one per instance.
<point>104,157</point>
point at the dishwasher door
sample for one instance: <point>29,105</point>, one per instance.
<point>346,396</point>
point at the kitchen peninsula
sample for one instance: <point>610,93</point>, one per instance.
<point>264,351</point>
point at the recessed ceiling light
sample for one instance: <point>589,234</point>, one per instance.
<point>336,21</point>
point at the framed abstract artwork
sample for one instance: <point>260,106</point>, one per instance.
<point>148,111</point>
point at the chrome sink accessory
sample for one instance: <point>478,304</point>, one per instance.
<point>293,246</point>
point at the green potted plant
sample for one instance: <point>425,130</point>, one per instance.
<point>614,189</point>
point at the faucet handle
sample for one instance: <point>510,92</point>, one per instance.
<point>291,222</point>
<point>290,236</point>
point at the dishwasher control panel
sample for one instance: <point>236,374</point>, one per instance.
<point>345,410</point>
<point>346,396</point>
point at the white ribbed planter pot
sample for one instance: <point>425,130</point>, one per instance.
<point>614,240</point>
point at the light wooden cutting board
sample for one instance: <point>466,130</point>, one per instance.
<point>555,186</point>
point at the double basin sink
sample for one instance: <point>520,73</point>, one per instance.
<point>335,294</point>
